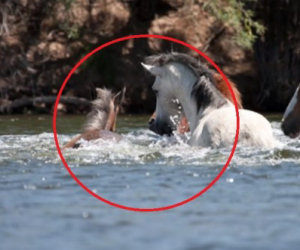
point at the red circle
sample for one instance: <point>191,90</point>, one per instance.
<point>157,208</point>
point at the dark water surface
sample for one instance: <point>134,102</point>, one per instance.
<point>255,204</point>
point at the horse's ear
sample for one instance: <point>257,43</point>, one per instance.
<point>119,98</point>
<point>99,92</point>
<point>152,69</point>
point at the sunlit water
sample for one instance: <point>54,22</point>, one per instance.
<point>254,205</point>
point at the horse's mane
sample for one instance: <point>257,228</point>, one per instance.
<point>162,59</point>
<point>222,87</point>
<point>98,116</point>
<point>199,70</point>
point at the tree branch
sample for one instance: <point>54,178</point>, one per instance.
<point>27,101</point>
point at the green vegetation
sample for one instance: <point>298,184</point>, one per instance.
<point>233,13</point>
<point>72,31</point>
<point>67,3</point>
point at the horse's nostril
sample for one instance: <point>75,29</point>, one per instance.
<point>151,121</point>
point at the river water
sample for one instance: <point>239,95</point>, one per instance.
<point>254,205</point>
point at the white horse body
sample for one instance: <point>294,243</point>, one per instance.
<point>211,117</point>
<point>218,128</point>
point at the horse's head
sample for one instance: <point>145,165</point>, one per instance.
<point>291,118</point>
<point>165,108</point>
<point>105,109</point>
<point>168,112</point>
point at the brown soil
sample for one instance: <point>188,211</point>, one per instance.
<point>41,40</point>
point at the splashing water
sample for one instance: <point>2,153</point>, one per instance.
<point>147,170</point>
<point>141,146</point>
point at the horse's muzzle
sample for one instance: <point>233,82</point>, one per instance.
<point>289,129</point>
<point>161,128</point>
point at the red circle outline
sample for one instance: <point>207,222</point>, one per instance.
<point>156,208</point>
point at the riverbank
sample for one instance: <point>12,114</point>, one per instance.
<point>42,40</point>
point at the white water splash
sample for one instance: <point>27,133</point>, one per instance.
<point>142,147</point>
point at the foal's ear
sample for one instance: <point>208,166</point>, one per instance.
<point>119,98</point>
<point>152,69</point>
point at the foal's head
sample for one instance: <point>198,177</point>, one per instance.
<point>291,118</point>
<point>105,109</point>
